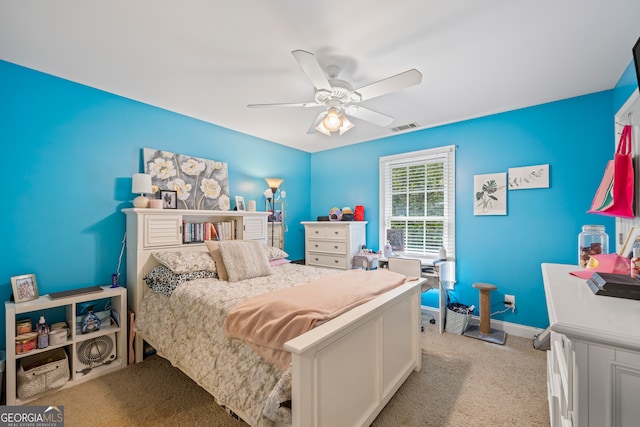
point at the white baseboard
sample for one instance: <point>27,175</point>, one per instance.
<point>510,328</point>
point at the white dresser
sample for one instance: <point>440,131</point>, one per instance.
<point>593,367</point>
<point>333,243</point>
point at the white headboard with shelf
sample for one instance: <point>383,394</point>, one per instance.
<point>152,230</point>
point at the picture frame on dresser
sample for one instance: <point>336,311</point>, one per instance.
<point>25,288</point>
<point>240,203</point>
<point>169,199</point>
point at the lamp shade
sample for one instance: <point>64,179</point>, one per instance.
<point>141,183</point>
<point>274,183</point>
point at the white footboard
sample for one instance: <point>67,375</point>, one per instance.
<point>345,371</point>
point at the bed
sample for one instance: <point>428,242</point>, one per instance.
<point>341,372</point>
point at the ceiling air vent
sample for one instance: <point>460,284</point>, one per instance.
<point>405,127</point>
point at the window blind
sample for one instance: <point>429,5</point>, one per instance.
<point>417,196</point>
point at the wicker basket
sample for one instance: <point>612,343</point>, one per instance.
<point>456,322</point>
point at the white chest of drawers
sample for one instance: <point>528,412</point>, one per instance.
<point>593,367</point>
<point>333,244</point>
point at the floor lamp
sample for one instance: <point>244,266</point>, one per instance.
<point>274,184</point>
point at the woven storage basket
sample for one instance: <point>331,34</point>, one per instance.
<point>42,372</point>
<point>456,322</point>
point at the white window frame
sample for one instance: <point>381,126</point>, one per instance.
<point>444,154</point>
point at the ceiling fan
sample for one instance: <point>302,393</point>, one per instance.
<point>339,97</point>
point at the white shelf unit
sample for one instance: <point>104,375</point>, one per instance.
<point>151,229</point>
<point>275,235</point>
<point>32,309</point>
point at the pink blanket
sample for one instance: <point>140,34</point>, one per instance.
<point>269,320</point>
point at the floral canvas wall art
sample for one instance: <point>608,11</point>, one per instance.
<point>490,194</point>
<point>200,183</point>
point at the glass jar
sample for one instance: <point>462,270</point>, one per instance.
<point>592,241</point>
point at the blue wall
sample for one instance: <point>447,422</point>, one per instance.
<point>574,136</point>
<point>71,151</point>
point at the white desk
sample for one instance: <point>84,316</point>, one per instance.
<point>434,282</point>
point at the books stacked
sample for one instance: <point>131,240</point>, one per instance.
<point>198,232</point>
<point>615,285</point>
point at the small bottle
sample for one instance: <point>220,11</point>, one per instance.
<point>387,250</point>
<point>90,323</point>
<point>43,333</point>
<point>635,264</point>
<point>442,254</point>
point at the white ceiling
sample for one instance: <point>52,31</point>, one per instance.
<point>208,59</point>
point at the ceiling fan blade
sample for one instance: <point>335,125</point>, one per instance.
<point>390,84</point>
<point>312,69</point>
<point>295,104</point>
<point>368,115</point>
<point>315,123</point>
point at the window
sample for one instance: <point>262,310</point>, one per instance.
<point>417,196</point>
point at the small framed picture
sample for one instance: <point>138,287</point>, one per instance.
<point>169,199</point>
<point>24,287</point>
<point>240,203</point>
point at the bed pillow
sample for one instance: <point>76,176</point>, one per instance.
<point>181,262</point>
<point>214,251</point>
<point>274,253</point>
<point>278,261</point>
<point>164,281</point>
<point>244,259</point>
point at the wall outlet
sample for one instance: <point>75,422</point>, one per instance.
<point>510,301</point>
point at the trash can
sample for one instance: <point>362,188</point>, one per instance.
<point>458,316</point>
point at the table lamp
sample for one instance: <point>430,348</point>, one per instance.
<point>141,184</point>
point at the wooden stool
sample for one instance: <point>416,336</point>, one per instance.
<point>484,331</point>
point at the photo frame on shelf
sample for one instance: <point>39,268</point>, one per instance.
<point>240,203</point>
<point>24,288</point>
<point>633,238</point>
<point>169,199</point>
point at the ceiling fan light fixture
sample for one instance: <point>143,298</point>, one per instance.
<point>333,120</point>
<point>346,125</point>
<point>321,128</point>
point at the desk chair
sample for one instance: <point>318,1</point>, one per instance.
<point>410,267</point>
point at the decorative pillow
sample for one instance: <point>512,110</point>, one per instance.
<point>244,259</point>
<point>274,253</point>
<point>279,261</point>
<point>164,281</point>
<point>214,251</point>
<point>185,261</point>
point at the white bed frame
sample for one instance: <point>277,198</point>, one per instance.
<point>344,371</point>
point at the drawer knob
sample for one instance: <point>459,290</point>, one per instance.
<point>317,259</point>
<point>316,232</point>
<point>335,247</point>
<point>335,261</point>
<point>316,245</point>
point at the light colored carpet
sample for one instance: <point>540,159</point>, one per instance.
<point>463,382</point>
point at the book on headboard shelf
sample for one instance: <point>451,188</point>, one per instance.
<point>615,285</point>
